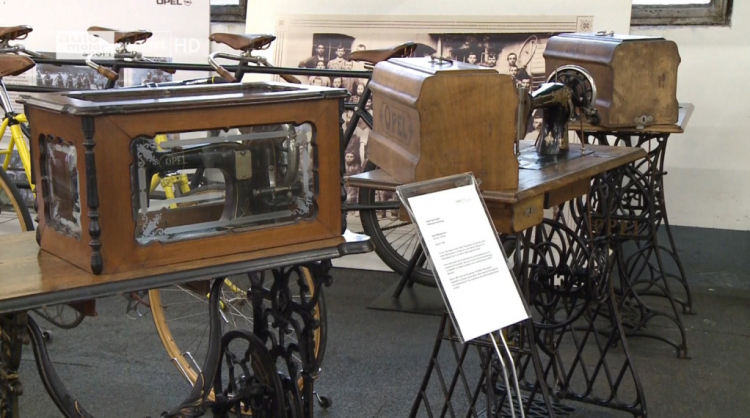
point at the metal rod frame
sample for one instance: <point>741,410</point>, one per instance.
<point>640,213</point>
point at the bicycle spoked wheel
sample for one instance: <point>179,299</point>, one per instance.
<point>15,218</point>
<point>394,238</point>
<point>14,215</point>
<point>527,51</point>
<point>181,318</point>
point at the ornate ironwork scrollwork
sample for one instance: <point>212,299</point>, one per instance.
<point>12,335</point>
<point>252,383</point>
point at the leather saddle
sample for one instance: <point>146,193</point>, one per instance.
<point>14,64</point>
<point>374,56</point>
<point>10,33</point>
<point>243,43</point>
<point>120,36</point>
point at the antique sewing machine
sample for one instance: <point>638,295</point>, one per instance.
<point>568,96</point>
<point>635,76</point>
<point>419,135</point>
<point>599,79</point>
<point>175,174</point>
<point>434,118</point>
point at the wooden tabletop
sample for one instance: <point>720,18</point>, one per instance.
<point>31,278</point>
<point>531,182</point>
<point>516,210</point>
<point>685,111</point>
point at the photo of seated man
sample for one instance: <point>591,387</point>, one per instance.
<point>318,55</point>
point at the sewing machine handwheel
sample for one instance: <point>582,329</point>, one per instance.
<point>579,81</point>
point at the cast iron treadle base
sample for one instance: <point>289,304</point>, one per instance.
<point>537,409</point>
<point>639,214</point>
<point>462,381</point>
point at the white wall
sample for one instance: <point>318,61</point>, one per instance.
<point>180,32</point>
<point>709,164</point>
<point>611,13</point>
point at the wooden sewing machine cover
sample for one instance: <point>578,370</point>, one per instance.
<point>635,76</point>
<point>434,118</point>
<point>137,178</point>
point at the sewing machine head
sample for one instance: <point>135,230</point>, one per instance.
<point>568,95</point>
<point>636,76</point>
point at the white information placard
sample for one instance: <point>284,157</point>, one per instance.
<point>472,271</point>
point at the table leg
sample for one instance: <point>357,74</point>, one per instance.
<point>452,374</point>
<point>194,405</point>
<point>299,315</point>
<point>578,324</point>
<point>447,374</point>
<point>13,335</point>
<point>415,259</point>
<point>639,214</point>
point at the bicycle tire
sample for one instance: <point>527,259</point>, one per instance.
<point>13,210</point>
<point>15,217</point>
<point>262,370</point>
<point>159,310</point>
<point>394,240</point>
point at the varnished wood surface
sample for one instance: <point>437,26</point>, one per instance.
<point>535,182</point>
<point>515,210</point>
<point>531,182</point>
<point>685,111</point>
<point>31,277</point>
<point>437,118</point>
<point>148,99</point>
<point>634,76</point>
<point>113,136</point>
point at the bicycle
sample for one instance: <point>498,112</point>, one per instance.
<point>15,215</point>
<point>12,65</point>
<point>14,211</point>
<point>172,308</point>
<point>395,240</point>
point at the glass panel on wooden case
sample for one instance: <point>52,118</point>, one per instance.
<point>61,187</point>
<point>196,184</point>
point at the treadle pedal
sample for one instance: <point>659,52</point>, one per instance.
<point>537,410</point>
<point>325,402</point>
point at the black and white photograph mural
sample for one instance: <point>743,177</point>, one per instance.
<point>519,55</point>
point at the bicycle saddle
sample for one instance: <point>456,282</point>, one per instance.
<point>121,36</point>
<point>14,64</point>
<point>243,42</point>
<point>374,56</point>
<point>10,33</point>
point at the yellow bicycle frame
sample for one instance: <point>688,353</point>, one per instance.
<point>168,183</point>
<point>17,141</point>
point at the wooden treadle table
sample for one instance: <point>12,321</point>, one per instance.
<point>516,210</point>
<point>31,278</point>
<point>644,183</point>
<point>520,212</point>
